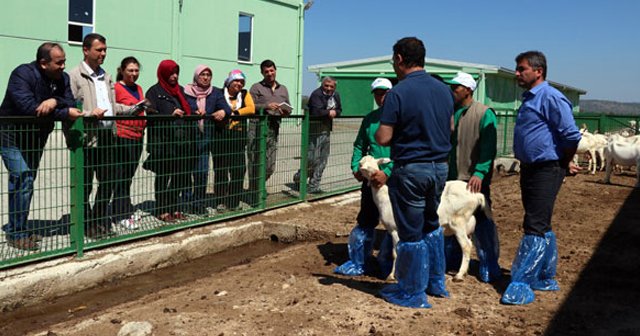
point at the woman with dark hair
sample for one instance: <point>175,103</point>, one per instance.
<point>208,101</point>
<point>171,148</point>
<point>129,134</point>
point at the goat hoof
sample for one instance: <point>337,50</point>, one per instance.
<point>457,279</point>
<point>391,278</point>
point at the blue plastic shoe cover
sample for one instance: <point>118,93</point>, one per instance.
<point>412,273</point>
<point>385,256</point>
<point>485,238</point>
<point>360,245</point>
<point>437,263</point>
<point>546,281</point>
<point>525,270</point>
<point>452,253</point>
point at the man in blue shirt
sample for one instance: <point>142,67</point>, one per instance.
<point>416,123</point>
<point>545,139</point>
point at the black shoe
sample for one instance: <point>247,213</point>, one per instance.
<point>98,232</point>
<point>315,191</point>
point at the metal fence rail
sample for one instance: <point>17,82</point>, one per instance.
<point>207,173</point>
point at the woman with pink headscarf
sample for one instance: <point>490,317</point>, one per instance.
<point>172,153</point>
<point>207,101</point>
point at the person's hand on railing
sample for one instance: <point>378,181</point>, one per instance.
<point>178,112</point>
<point>74,113</point>
<point>46,107</point>
<point>218,115</point>
<point>98,112</point>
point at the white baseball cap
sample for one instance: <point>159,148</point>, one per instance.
<point>381,83</point>
<point>464,79</point>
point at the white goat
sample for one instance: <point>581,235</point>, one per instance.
<point>368,166</point>
<point>622,153</point>
<point>456,209</point>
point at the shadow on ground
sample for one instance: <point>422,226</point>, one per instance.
<point>606,298</point>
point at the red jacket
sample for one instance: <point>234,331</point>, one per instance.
<point>129,129</point>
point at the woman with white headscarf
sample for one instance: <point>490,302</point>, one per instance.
<point>229,146</point>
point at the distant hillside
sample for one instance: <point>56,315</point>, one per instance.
<point>609,107</point>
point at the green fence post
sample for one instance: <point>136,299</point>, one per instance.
<point>75,141</point>
<point>263,132</point>
<point>304,147</point>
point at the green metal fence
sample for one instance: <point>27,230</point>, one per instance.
<point>87,197</point>
<point>204,173</point>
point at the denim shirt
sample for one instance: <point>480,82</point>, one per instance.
<point>544,125</point>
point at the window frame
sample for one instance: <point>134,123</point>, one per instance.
<point>251,31</point>
<point>81,24</point>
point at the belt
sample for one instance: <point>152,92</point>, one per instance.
<point>542,164</point>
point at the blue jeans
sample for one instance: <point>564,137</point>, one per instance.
<point>21,158</point>
<point>415,190</point>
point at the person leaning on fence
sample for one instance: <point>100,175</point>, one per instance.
<point>205,100</point>
<point>416,122</point>
<point>129,138</point>
<point>40,90</point>
<point>473,149</point>
<point>229,161</point>
<point>545,139</point>
<point>361,237</point>
<point>93,88</point>
<point>324,106</point>
<point>272,99</point>
<point>171,143</point>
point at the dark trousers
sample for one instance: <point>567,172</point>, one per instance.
<point>101,162</point>
<point>172,178</point>
<point>129,152</point>
<point>369,216</point>
<point>539,183</point>
<point>229,166</point>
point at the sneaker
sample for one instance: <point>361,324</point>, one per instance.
<point>128,224</point>
<point>221,208</point>
<point>24,243</point>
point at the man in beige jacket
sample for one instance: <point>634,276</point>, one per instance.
<point>93,87</point>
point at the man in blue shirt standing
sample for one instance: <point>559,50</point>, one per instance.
<point>545,139</point>
<point>416,123</point>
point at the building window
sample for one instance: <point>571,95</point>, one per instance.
<point>80,19</point>
<point>245,26</point>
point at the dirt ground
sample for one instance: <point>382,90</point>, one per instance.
<point>293,291</point>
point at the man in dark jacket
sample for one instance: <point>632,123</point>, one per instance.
<point>39,89</point>
<point>324,105</point>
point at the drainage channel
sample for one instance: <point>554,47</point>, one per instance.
<point>85,303</point>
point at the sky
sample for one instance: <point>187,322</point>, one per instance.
<point>591,45</point>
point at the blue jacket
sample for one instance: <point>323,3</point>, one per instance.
<point>28,87</point>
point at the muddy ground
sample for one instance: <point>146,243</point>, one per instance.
<point>293,291</point>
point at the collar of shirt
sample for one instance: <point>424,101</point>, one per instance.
<point>99,75</point>
<point>534,90</point>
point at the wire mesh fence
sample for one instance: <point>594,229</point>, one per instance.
<point>85,187</point>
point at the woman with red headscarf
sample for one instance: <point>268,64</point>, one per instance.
<point>171,142</point>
